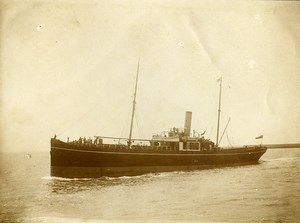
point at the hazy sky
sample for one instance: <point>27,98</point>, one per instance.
<point>68,68</point>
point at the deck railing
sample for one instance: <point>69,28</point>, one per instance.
<point>122,146</point>
<point>151,148</point>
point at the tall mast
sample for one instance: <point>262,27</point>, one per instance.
<point>219,111</point>
<point>133,104</point>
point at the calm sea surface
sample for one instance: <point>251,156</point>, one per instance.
<point>265,192</point>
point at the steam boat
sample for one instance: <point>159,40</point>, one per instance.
<point>172,151</point>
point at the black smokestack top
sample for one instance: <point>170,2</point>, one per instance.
<point>187,123</point>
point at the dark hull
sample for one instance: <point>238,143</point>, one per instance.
<point>72,161</point>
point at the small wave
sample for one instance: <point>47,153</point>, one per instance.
<point>275,168</point>
<point>165,174</point>
<point>63,179</point>
<point>123,177</point>
<point>145,175</point>
<point>280,159</point>
<point>168,174</point>
<point>66,220</point>
<point>127,177</point>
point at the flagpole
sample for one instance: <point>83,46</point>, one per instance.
<point>261,137</point>
<point>219,111</point>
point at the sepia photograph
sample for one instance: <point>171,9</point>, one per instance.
<point>149,111</point>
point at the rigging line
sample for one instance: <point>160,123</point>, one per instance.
<point>126,123</point>
<point>224,131</point>
<point>139,131</point>
<point>207,69</point>
<point>71,124</point>
<point>137,127</point>
<point>81,117</point>
<point>228,139</point>
<point>139,124</point>
<point>113,120</point>
<point>211,129</point>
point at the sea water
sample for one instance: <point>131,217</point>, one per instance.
<point>265,192</point>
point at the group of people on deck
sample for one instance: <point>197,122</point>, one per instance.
<point>85,141</point>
